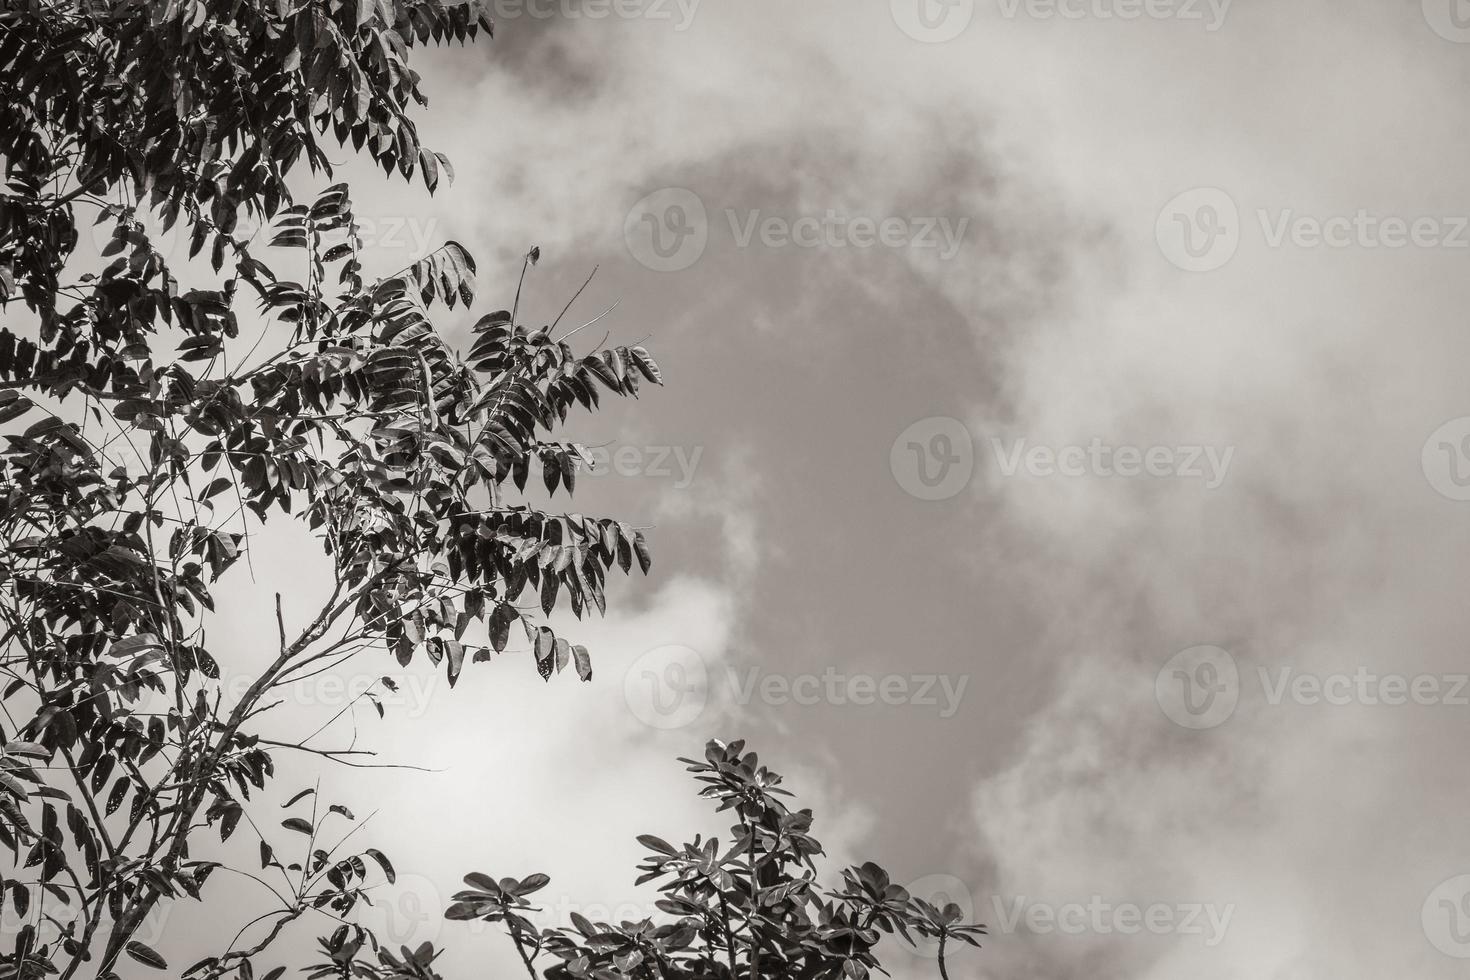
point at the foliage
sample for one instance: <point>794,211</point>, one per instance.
<point>147,441</point>
<point>751,908</point>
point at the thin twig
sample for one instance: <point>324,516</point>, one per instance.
<point>589,323</point>
<point>571,301</point>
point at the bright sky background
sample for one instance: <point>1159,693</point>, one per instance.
<point>1328,543</point>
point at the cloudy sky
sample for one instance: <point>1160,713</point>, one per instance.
<point>1062,472</point>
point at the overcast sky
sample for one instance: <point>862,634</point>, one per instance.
<point>1082,385</point>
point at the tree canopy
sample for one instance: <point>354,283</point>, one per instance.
<point>350,410</point>
<point>751,908</point>
<point>158,410</point>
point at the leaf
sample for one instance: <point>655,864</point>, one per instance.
<point>146,955</point>
<point>298,824</point>
<point>29,750</point>
<point>500,626</point>
<point>656,844</point>
<point>215,487</point>
<point>298,798</point>
<point>583,660</point>
<point>448,167</point>
<point>14,408</point>
<point>533,883</point>
<point>229,821</point>
<point>22,896</point>
<point>383,863</point>
<point>462,912</point>
<point>455,655</point>
<point>483,882</point>
<point>118,794</point>
<point>645,364</point>
<point>132,645</point>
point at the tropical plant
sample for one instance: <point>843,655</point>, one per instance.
<point>147,441</point>
<point>748,908</point>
